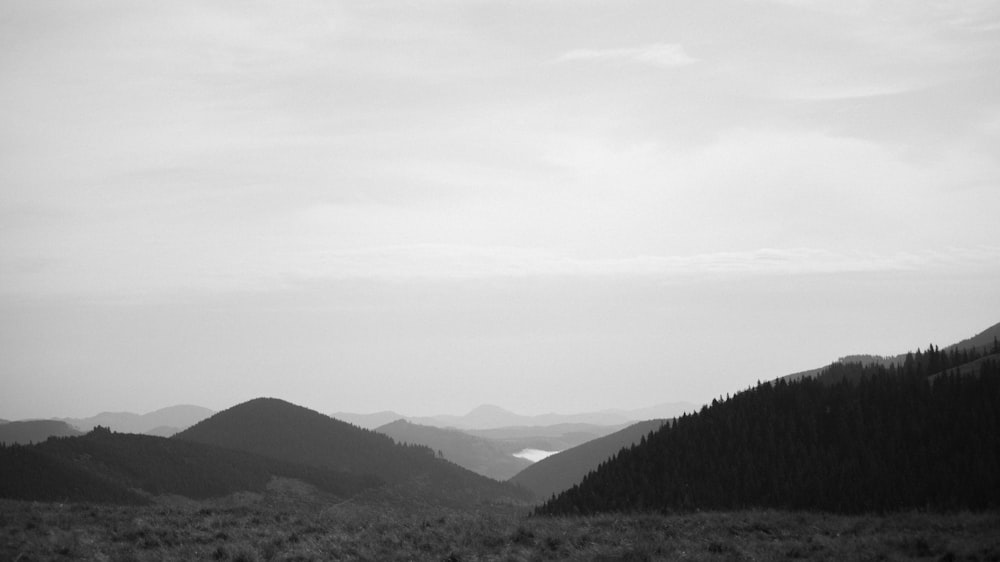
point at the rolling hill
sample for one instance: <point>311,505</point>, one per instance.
<point>107,467</point>
<point>281,430</point>
<point>489,457</point>
<point>164,422</point>
<point>561,471</point>
<point>34,431</point>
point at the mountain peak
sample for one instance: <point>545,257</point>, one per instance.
<point>278,429</point>
<point>489,409</point>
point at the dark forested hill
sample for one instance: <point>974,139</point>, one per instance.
<point>559,472</point>
<point>281,430</point>
<point>34,431</point>
<point>855,438</point>
<point>107,467</point>
<point>489,457</point>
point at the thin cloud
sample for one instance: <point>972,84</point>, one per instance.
<point>665,55</point>
<point>443,262</point>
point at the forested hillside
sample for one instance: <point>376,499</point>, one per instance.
<point>108,467</point>
<point>855,438</point>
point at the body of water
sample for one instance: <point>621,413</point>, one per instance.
<point>534,455</point>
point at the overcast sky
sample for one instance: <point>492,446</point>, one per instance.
<point>425,206</point>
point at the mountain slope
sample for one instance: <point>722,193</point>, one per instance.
<point>983,342</point>
<point>164,420</point>
<point>986,341</point>
<point>281,430</point>
<point>855,438</point>
<point>562,470</point>
<point>489,457</point>
<point>34,431</point>
<point>369,421</point>
<point>107,467</point>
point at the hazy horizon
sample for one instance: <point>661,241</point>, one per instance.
<point>548,206</point>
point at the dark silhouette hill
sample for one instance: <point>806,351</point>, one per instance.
<point>561,471</point>
<point>34,431</point>
<point>855,438</point>
<point>281,430</point>
<point>489,457</point>
<point>108,467</point>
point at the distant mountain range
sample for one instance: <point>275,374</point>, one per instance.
<point>163,422</point>
<point>489,416</point>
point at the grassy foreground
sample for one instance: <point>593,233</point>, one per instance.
<point>276,526</point>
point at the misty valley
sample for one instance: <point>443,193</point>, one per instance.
<point>877,458</point>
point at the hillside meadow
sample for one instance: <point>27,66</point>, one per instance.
<point>290,521</point>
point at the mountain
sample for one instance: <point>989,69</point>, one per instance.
<point>164,420</point>
<point>987,341</point>
<point>281,430</point>
<point>489,457</point>
<point>855,438</point>
<point>163,431</point>
<point>106,467</point>
<point>369,421</point>
<point>34,431</point>
<point>561,471</point>
<point>489,416</point>
<point>486,416</point>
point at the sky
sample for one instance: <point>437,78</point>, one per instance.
<point>551,206</point>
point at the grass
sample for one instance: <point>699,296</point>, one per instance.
<point>290,523</point>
